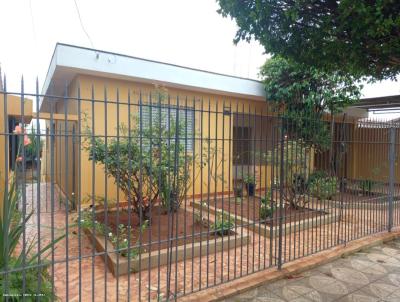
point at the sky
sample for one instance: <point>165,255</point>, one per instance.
<point>184,32</point>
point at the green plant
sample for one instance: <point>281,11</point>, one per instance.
<point>352,37</point>
<point>121,242</point>
<point>366,186</point>
<point>223,224</point>
<point>322,186</point>
<point>267,207</point>
<point>31,150</point>
<point>15,284</point>
<point>154,168</point>
<point>296,158</point>
<point>12,225</point>
<point>249,179</point>
<point>119,239</point>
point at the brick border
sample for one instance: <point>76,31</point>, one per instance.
<point>267,231</point>
<point>258,279</point>
<point>155,258</point>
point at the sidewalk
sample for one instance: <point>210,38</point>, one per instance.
<point>371,275</point>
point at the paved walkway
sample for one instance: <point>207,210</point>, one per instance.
<point>368,276</point>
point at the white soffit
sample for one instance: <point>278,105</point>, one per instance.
<point>68,61</point>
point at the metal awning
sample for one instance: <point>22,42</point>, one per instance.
<point>385,102</point>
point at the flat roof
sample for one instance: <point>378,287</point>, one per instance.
<point>70,60</point>
<point>384,102</point>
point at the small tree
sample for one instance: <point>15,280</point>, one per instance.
<point>148,162</point>
<point>295,161</point>
<point>361,38</point>
<point>304,95</point>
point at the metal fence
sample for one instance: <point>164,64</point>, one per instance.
<point>144,195</point>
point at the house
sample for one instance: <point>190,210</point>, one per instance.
<point>101,90</point>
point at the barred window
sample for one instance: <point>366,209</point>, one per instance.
<point>167,115</point>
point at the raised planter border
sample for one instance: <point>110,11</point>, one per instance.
<point>192,250</point>
<point>265,230</point>
<point>374,203</point>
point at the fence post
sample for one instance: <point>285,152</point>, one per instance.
<point>392,140</point>
<point>281,188</point>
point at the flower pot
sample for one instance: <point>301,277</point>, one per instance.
<point>250,188</point>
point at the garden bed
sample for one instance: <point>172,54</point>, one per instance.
<point>356,200</point>
<point>188,240</point>
<point>247,212</point>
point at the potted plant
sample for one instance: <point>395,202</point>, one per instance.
<point>250,184</point>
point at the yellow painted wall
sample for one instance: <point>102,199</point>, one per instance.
<point>210,123</point>
<point>13,109</point>
<point>370,154</point>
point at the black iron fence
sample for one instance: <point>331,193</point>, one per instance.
<point>148,195</point>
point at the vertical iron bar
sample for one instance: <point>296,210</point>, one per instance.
<point>281,184</point>
<point>392,159</point>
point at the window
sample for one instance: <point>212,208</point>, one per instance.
<point>168,117</point>
<point>242,146</point>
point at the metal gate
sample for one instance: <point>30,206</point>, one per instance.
<point>153,196</point>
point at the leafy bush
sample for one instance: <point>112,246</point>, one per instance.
<point>147,162</point>
<point>322,186</point>
<point>366,186</point>
<point>249,179</point>
<point>12,227</point>
<point>12,224</point>
<point>296,158</point>
<point>31,292</point>
<point>267,208</point>
<point>223,223</point>
<point>119,239</point>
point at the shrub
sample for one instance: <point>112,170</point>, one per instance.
<point>322,186</point>
<point>12,227</point>
<point>12,224</point>
<point>119,239</point>
<point>146,162</point>
<point>296,158</point>
<point>223,223</point>
<point>366,186</point>
<point>31,292</point>
<point>267,208</point>
<point>249,179</point>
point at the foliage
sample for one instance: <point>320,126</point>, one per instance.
<point>223,223</point>
<point>305,94</point>
<point>119,239</point>
<point>12,227</point>
<point>295,161</point>
<point>31,149</point>
<point>322,186</point>
<point>361,38</point>
<point>31,292</point>
<point>267,207</point>
<point>249,179</point>
<point>366,185</point>
<point>147,162</point>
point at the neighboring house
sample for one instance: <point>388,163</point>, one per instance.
<point>236,114</point>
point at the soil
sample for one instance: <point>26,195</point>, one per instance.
<point>249,208</point>
<point>156,235</point>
